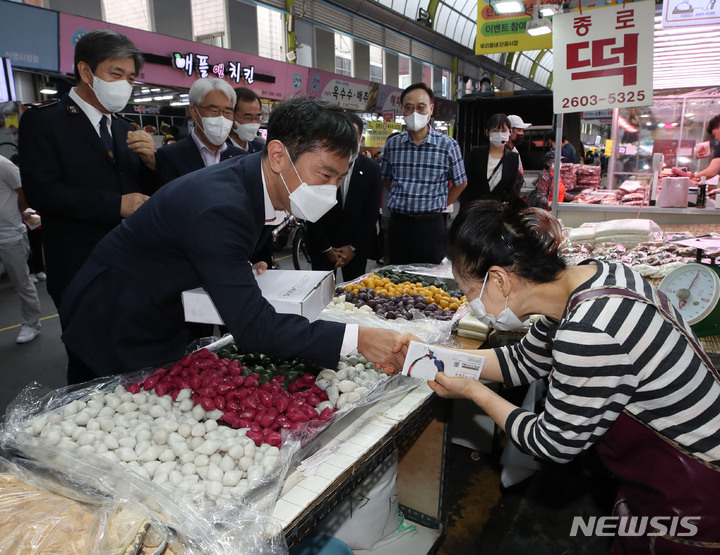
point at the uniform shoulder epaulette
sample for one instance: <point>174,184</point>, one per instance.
<point>43,104</point>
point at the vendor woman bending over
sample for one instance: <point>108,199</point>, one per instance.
<point>625,372</point>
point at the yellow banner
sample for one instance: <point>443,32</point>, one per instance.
<point>376,132</point>
<point>506,32</point>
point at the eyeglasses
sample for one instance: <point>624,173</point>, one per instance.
<point>421,108</point>
<point>214,111</point>
<point>248,118</point>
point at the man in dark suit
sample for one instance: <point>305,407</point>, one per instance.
<point>212,103</point>
<point>83,168</point>
<point>124,309</point>
<point>244,135</point>
<point>343,237</point>
<point>248,118</point>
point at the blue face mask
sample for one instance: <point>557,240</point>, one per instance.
<point>506,321</point>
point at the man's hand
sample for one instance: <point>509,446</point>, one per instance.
<point>347,253</point>
<point>141,143</point>
<point>260,267</point>
<point>400,348</point>
<point>335,257</point>
<point>378,346</point>
<point>130,203</point>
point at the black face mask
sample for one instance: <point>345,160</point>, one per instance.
<point>519,139</point>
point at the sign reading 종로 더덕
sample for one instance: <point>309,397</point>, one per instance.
<point>603,58</point>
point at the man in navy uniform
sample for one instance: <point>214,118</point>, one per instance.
<point>343,238</point>
<point>212,103</point>
<point>124,308</point>
<point>83,168</point>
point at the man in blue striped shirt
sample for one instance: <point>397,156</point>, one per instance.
<point>424,172</point>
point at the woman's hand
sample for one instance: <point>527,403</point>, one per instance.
<point>453,388</point>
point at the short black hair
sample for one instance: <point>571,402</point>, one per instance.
<point>416,86</point>
<point>309,125</point>
<point>489,233</point>
<point>714,123</point>
<point>246,95</point>
<point>497,121</point>
<point>95,47</point>
<point>357,121</point>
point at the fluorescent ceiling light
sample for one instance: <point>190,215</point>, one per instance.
<point>536,27</point>
<point>48,89</point>
<point>507,6</point>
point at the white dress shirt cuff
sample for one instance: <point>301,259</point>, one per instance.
<point>350,340</point>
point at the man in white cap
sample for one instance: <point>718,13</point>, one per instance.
<point>517,135</point>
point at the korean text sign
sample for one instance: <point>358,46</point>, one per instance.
<point>603,57</point>
<point>505,32</point>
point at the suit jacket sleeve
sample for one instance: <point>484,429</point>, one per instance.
<point>361,235</point>
<point>49,156</point>
<point>169,160</point>
<point>226,274</point>
<point>475,165</point>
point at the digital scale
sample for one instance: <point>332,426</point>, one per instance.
<point>694,289</point>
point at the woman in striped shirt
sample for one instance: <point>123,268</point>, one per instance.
<point>622,375</point>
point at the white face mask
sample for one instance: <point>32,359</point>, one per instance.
<point>113,95</point>
<point>217,129</point>
<point>246,131</point>
<point>506,321</point>
<point>499,138</point>
<point>310,202</point>
<point>415,121</point>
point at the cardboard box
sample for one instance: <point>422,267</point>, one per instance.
<point>289,291</point>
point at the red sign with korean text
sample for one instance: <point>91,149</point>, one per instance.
<point>603,57</point>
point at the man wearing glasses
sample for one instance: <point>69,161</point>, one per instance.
<point>212,108</point>
<point>248,117</point>
<point>424,172</point>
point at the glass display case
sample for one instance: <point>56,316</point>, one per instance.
<point>674,126</point>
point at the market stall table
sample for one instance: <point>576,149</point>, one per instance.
<point>419,424</point>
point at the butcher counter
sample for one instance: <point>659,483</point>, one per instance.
<point>574,215</point>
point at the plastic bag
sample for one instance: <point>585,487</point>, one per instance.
<point>369,513</point>
<point>56,521</point>
<point>427,328</point>
<point>242,525</point>
<point>206,526</point>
